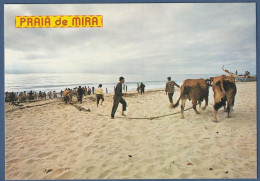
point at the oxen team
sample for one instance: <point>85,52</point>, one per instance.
<point>197,90</point>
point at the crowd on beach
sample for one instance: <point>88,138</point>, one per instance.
<point>42,95</point>
<point>66,94</point>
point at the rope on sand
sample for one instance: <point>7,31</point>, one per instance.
<point>11,110</point>
<point>155,117</point>
<point>36,105</point>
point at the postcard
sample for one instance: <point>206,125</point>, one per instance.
<point>130,91</point>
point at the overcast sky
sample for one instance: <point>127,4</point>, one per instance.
<point>151,38</point>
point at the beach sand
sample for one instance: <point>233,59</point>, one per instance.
<point>51,140</point>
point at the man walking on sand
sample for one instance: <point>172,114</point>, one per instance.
<point>118,98</point>
<point>99,94</point>
<point>169,88</point>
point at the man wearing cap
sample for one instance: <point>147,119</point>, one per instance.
<point>118,98</point>
<point>170,89</point>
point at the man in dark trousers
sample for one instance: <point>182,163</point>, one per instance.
<point>93,90</point>
<point>80,94</point>
<point>30,96</point>
<point>118,98</point>
<point>142,86</point>
<point>170,89</point>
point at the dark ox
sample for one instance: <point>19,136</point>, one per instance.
<point>195,90</point>
<point>224,89</point>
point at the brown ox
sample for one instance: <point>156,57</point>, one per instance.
<point>195,90</point>
<point>224,89</point>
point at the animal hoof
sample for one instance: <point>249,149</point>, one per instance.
<point>182,117</point>
<point>204,108</point>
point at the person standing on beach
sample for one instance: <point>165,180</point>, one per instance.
<point>89,90</point>
<point>40,95</point>
<point>30,95</point>
<point>142,86</point>
<point>12,98</point>
<point>169,88</point>
<point>35,96</point>
<point>54,94</point>
<point>44,95</point>
<point>124,87</point>
<point>118,98</point>
<point>24,96</point>
<point>99,94</point>
<point>80,94</point>
<point>93,90</point>
<point>85,91</point>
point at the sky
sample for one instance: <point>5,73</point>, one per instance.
<point>179,38</point>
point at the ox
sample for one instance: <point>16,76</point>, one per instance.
<point>195,90</point>
<point>224,89</point>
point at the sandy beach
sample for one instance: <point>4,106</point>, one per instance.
<point>50,140</point>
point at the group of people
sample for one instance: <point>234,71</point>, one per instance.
<point>86,90</point>
<point>24,96</point>
<point>118,97</point>
<point>140,88</point>
<point>11,97</point>
<point>79,92</point>
<point>67,94</point>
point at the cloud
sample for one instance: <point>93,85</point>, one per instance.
<point>173,37</point>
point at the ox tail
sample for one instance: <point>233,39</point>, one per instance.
<point>221,103</point>
<point>233,102</point>
<point>177,103</point>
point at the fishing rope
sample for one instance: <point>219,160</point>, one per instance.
<point>26,107</point>
<point>155,117</point>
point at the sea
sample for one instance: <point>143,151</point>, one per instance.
<point>59,81</point>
